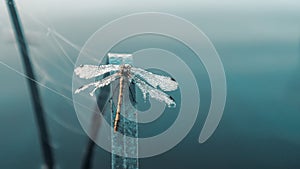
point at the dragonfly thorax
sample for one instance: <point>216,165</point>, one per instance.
<point>125,69</point>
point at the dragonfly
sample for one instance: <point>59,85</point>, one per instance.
<point>152,85</point>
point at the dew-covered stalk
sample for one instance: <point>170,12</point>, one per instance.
<point>120,119</point>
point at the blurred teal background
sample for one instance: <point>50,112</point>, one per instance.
<point>258,43</point>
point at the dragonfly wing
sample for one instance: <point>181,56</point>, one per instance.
<point>164,82</point>
<point>90,71</point>
<point>154,93</point>
<point>103,82</point>
<point>84,87</point>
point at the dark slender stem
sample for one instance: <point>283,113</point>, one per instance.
<point>102,101</point>
<point>38,109</point>
<point>88,155</point>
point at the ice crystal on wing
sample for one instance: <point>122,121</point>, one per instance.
<point>146,81</point>
<point>103,82</point>
<point>90,71</point>
<point>164,82</point>
<point>120,55</point>
<point>154,93</point>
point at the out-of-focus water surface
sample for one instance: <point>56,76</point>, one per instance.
<point>258,43</point>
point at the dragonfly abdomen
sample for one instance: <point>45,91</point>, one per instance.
<point>119,105</point>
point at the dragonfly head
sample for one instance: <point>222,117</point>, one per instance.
<point>125,69</point>
<point>126,65</point>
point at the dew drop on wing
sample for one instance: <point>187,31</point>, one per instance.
<point>163,82</point>
<point>172,105</point>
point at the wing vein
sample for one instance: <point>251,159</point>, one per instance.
<point>90,71</point>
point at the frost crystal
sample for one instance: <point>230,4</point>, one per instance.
<point>146,81</point>
<point>98,84</point>
<point>164,82</point>
<point>154,93</point>
<point>90,71</point>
